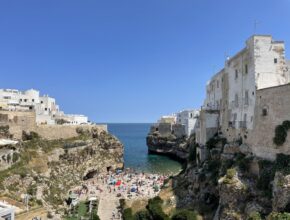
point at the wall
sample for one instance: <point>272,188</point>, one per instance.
<point>277,102</point>
<point>164,129</point>
<point>18,121</point>
<point>178,130</point>
<point>207,126</point>
<point>51,132</point>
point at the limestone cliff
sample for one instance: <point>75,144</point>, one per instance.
<point>231,184</point>
<point>48,169</point>
<point>170,145</point>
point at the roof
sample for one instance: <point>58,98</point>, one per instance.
<point>7,142</point>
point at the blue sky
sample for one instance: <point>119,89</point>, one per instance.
<point>128,60</point>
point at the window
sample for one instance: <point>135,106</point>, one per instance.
<point>275,60</point>
<point>45,109</point>
<point>190,115</point>
<point>236,100</point>
<point>20,100</point>
<point>265,112</point>
<point>246,69</point>
<point>25,100</point>
<point>235,117</point>
<point>32,100</point>
<point>41,102</point>
<point>247,97</point>
<point>236,74</point>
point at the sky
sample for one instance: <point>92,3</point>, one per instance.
<point>128,60</point>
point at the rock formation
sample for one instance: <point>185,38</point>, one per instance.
<point>48,169</point>
<point>169,145</point>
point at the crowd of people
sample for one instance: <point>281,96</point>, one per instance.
<point>126,184</point>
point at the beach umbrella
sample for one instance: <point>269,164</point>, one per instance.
<point>118,183</point>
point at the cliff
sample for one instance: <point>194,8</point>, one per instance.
<point>231,183</point>
<point>48,169</point>
<point>169,145</point>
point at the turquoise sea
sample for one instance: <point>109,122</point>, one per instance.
<point>133,136</point>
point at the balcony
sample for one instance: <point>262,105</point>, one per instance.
<point>211,107</point>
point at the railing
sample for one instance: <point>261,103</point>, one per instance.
<point>241,124</point>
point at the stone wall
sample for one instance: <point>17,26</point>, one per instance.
<point>52,132</point>
<point>18,121</point>
<point>275,102</point>
<point>164,129</point>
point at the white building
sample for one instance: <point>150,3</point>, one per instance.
<point>7,212</point>
<point>188,118</point>
<point>72,119</point>
<point>171,119</point>
<point>261,64</point>
<point>45,107</point>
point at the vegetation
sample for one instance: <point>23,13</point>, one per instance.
<point>255,216</point>
<point>81,212</point>
<point>155,210</point>
<point>230,176</point>
<point>214,141</point>
<point>128,214</point>
<point>281,133</point>
<point>279,216</point>
<point>185,215</point>
<point>142,215</point>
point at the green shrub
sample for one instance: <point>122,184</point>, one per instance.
<point>155,209</point>
<point>267,174</point>
<point>231,173</point>
<point>15,157</point>
<point>243,162</point>
<point>27,136</point>
<point>185,215</point>
<point>286,124</point>
<point>281,133</point>
<point>127,214</point>
<point>279,216</point>
<point>255,216</point>
<point>283,163</point>
<point>142,215</point>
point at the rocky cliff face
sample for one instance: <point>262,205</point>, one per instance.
<point>232,184</point>
<point>47,170</point>
<point>170,145</point>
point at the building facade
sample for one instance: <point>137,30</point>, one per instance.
<point>234,93</point>
<point>188,118</point>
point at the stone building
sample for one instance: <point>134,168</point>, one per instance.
<point>272,109</point>
<point>234,92</point>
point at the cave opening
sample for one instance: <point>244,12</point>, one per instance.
<point>91,174</point>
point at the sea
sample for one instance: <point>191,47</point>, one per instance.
<point>133,137</point>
